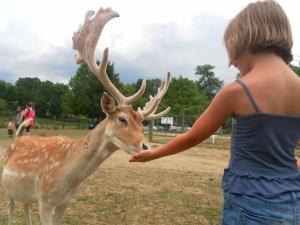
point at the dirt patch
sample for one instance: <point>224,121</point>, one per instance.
<point>197,159</point>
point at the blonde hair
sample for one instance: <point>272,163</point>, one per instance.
<point>261,26</point>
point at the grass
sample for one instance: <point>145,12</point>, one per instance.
<point>180,190</point>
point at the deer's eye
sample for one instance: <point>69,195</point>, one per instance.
<point>123,121</point>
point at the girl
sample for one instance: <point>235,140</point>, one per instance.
<point>10,128</point>
<point>261,184</point>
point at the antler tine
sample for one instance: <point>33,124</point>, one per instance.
<point>104,79</point>
<point>85,41</point>
<point>158,115</point>
<point>151,106</point>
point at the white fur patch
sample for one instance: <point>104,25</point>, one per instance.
<point>10,173</point>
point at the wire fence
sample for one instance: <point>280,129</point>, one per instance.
<point>56,124</point>
<point>159,130</point>
<point>174,123</point>
<point>164,128</point>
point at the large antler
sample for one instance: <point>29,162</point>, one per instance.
<point>85,41</point>
<point>151,106</point>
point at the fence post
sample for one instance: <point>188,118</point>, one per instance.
<point>182,121</point>
<point>78,122</point>
<point>151,130</point>
<point>64,121</point>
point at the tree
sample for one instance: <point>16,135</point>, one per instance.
<point>207,81</point>
<point>66,104</point>
<point>152,86</point>
<point>42,98</point>
<point>27,90</point>
<point>55,102</point>
<point>45,96</point>
<point>4,110</point>
<point>8,94</point>
<point>185,97</point>
<point>296,69</point>
<point>87,90</point>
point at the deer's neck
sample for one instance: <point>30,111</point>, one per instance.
<point>95,151</point>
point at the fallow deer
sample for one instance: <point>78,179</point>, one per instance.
<point>48,170</point>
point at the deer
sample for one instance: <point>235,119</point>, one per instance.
<point>49,170</point>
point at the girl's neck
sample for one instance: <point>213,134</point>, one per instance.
<point>260,64</point>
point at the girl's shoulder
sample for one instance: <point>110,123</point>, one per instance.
<point>232,89</point>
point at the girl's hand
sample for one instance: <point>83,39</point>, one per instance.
<point>142,156</point>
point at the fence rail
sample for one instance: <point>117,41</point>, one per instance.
<point>156,131</point>
<point>74,123</point>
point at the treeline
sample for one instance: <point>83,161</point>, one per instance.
<point>81,96</point>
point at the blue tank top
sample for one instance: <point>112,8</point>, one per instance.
<point>262,153</point>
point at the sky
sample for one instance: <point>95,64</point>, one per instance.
<point>149,39</point>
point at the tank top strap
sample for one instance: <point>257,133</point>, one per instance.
<point>246,89</point>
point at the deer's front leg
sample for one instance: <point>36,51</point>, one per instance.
<point>45,213</point>
<point>11,205</point>
<point>27,211</point>
<point>58,215</point>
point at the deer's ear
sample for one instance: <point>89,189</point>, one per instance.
<point>108,104</point>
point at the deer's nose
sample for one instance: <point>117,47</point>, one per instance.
<point>145,146</point>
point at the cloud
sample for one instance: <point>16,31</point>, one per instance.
<point>150,52</point>
<point>25,55</point>
<point>176,47</point>
<point>147,41</point>
<point>55,64</point>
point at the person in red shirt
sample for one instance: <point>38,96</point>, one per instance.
<point>29,113</point>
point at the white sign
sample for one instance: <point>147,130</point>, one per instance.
<point>166,120</point>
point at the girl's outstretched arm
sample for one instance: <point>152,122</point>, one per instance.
<point>209,121</point>
<point>298,163</point>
